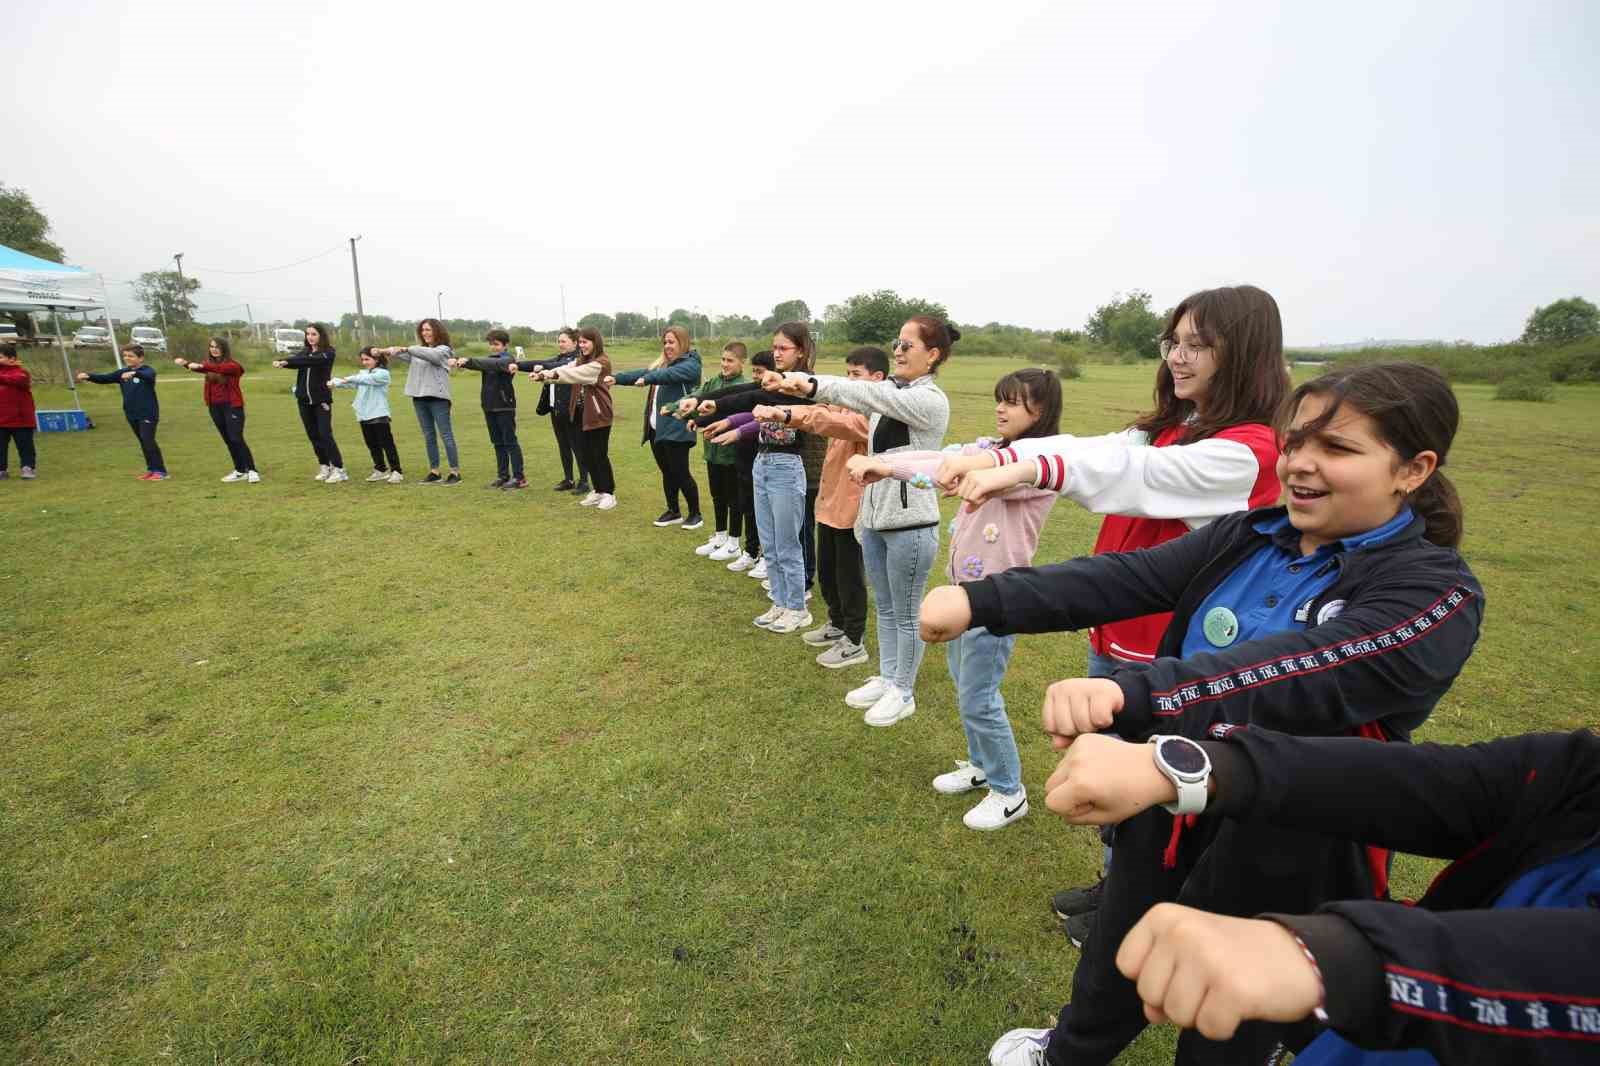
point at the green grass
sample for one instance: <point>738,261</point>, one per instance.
<point>292,773</point>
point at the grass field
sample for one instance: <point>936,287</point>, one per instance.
<point>370,773</point>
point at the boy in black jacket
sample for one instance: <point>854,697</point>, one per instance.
<point>139,404</point>
<point>1498,962</point>
<point>499,399</point>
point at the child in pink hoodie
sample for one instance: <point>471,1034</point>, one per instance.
<point>1001,534</point>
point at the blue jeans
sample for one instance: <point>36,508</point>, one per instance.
<point>433,413</point>
<point>780,483</point>
<point>898,563</point>
<point>977,663</point>
<point>1105,666</point>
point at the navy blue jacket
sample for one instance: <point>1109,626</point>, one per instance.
<point>497,392</point>
<point>312,371</point>
<point>139,401</point>
<point>672,383</point>
<point>554,397</point>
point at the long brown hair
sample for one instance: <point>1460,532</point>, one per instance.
<point>800,334</point>
<point>1415,411</point>
<point>441,336</point>
<point>1242,326</point>
<point>589,333</point>
<point>1038,390</point>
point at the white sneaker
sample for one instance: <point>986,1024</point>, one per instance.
<point>395,477</point>
<point>890,708</point>
<point>1020,1047</point>
<point>607,502</point>
<point>842,654</point>
<point>237,475</point>
<point>323,471</point>
<point>711,545</point>
<point>828,634</point>
<point>759,570</point>
<point>964,778</point>
<point>742,563</point>
<point>997,810</point>
<point>253,477</point>
<point>766,584</point>
<point>378,475</point>
<point>729,550</point>
<point>772,614</point>
<point>591,500</point>
<point>790,621</point>
<point>337,475</point>
<point>867,694</point>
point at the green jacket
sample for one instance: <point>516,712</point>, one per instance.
<point>720,454</point>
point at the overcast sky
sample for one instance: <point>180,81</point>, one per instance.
<point>1388,170</point>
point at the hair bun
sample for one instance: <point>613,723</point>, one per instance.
<point>955,334</point>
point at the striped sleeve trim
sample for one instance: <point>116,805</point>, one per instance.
<point>1529,1015</point>
<point>1052,474</point>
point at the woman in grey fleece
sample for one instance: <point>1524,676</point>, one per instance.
<point>898,524</point>
<point>428,385</point>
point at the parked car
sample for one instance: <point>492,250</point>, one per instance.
<point>288,341</point>
<point>92,337</point>
<point>8,333</point>
<point>150,338</point>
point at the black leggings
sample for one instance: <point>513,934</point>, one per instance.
<point>229,421</point>
<point>596,455</point>
<point>843,580</point>
<point>503,435</point>
<point>747,503</point>
<point>569,439</point>
<point>145,430</point>
<point>318,420</point>
<point>672,458</point>
<point>724,481</point>
<point>379,436</point>
<point>23,435</point>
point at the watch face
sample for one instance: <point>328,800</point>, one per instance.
<point>1183,756</point>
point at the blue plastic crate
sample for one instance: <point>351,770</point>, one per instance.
<point>63,421</point>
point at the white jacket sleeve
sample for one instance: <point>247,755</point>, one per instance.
<point>1192,482</point>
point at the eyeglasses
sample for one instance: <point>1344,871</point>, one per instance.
<point>902,346</point>
<point>784,348</point>
<point>1182,353</point>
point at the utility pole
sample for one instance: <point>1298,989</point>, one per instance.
<point>248,317</point>
<point>563,305</point>
<point>438,305</point>
<point>178,258</point>
<point>361,314</point>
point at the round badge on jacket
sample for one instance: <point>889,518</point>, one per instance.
<point>1220,626</point>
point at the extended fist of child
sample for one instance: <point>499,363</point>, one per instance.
<point>1102,780</point>
<point>1079,705</point>
<point>865,469</point>
<point>946,614</point>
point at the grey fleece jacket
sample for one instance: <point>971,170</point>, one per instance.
<point>913,418</point>
<point>426,373</point>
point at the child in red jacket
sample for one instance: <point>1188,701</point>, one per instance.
<point>17,418</point>
<point>225,400</point>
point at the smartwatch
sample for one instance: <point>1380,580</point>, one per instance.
<point>1187,766</point>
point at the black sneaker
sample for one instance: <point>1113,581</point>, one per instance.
<point>453,479</point>
<point>1074,901</point>
<point>581,489</point>
<point>431,479</point>
<point>564,485</point>
<point>497,483</point>
<point>515,483</point>
<point>669,518</point>
<point>694,521</point>
<point>1079,927</point>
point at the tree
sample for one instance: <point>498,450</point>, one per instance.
<point>165,294</point>
<point>875,317</point>
<point>633,324</point>
<point>788,311</point>
<point>697,325</point>
<point>595,320</point>
<point>1572,319</point>
<point>24,227</point>
<point>1127,324</point>
<point>736,326</point>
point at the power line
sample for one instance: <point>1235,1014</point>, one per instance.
<point>267,270</point>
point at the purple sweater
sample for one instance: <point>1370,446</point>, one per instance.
<point>1003,533</point>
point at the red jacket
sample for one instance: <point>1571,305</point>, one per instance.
<point>222,382</point>
<point>16,398</point>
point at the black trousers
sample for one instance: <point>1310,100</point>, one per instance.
<point>229,421</point>
<point>596,453</point>
<point>672,458</point>
<point>569,439</point>
<point>745,471</point>
<point>808,535</point>
<point>23,435</point>
<point>318,420</point>
<point>843,580</point>
<point>503,435</point>
<point>723,478</point>
<point>145,430</point>
<point>379,437</point>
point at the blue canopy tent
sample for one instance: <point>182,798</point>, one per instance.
<point>31,284</point>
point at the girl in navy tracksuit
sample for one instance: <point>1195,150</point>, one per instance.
<point>1348,612</point>
<point>313,368</point>
<point>139,404</point>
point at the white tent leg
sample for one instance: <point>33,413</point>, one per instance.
<point>55,322</point>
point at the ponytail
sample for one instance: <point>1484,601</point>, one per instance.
<point>1439,505</point>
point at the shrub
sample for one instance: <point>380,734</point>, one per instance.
<point>1525,387</point>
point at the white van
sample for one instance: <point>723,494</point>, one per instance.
<point>288,341</point>
<point>149,338</point>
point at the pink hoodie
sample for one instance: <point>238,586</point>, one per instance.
<point>1003,533</point>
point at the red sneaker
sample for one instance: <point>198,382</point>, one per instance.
<point>142,477</point>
